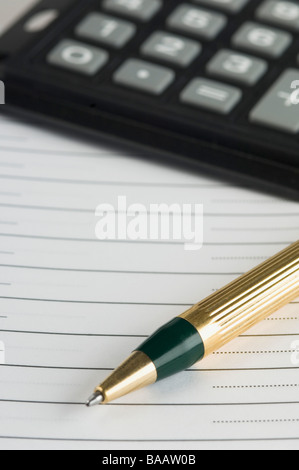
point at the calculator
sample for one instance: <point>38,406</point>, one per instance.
<point>211,84</point>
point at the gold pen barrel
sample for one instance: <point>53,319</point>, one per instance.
<point>246,301</point>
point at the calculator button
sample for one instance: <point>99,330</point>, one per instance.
<point>261,39</point>
<point>79,57</point>
<point>238,67</point>
<point>177,50</point>
<point>232,6</point>
<point>210,95</point>
<point>281,13</point>
<point>197,22</point>
<point>143,76</point>
<point>279,108</point>
<point>143,10</point>
<point>106,29</point>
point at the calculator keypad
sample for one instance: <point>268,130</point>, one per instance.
<point>190,54</point>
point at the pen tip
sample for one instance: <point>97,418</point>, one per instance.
<point>95,399</point>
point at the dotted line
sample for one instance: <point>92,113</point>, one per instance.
<point>225,258</point>
<point>282,318</point>
<point>256,421</point>
<point>254,386</point>
<point>254,352</point>
<point>254,229</point>
<point>246,201</point>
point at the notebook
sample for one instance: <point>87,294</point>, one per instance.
<point>72,307</point>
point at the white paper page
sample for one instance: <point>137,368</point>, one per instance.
<point>72,307</point>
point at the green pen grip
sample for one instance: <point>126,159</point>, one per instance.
<point>174,348</point>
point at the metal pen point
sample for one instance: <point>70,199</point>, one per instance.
<point>95,399</point>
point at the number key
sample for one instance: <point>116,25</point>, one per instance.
<point>281,13</point>
<point>198,22</point>
<point>237,67</point>
<point>106,30</point>
<point>261,39</point>
<point>79,57</point>
<point>143,10</point>
<point>177,50</point>
<point>232,6</point>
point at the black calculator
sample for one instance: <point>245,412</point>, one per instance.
<point>209,83</point>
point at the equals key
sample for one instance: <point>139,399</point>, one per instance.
<point>212,96</point>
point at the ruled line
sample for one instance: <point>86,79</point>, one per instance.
<point>184,405</point>
<point>113,271</point>
<point>12,165</point>
<point>40,151</point>
<point>108,369</point>
<point>7,222</point>
<point>108,183</point>
<point>92,211</point>
<point>114,335</point>
<point>13,138</point>
<point>142,242</point>
<point>54,439</point>
<point>98,302</point>
<point>88,335</point>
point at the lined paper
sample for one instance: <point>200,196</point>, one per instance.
<point>72,307</point>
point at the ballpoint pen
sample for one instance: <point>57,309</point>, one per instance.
<point>207,326</point>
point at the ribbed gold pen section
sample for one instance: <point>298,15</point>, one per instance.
<point>246,301</point>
